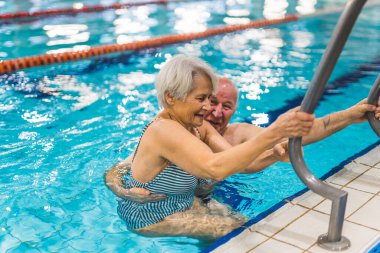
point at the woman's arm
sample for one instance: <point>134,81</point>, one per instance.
<point>243,132</point>
<point>177,145</point>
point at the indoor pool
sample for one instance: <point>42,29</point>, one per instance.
<point>62,126</point>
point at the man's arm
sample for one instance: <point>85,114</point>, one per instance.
<point>237,133</point>
<point>330,124</point>
<point>113,179</point>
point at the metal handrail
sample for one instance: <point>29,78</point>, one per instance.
<point>333,240</point>
<point>372,99</point>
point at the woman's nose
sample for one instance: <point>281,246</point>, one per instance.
<point>206,106</point>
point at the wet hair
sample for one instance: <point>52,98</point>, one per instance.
<point>176,77</point>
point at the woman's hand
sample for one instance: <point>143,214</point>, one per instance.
<point>293,123</point>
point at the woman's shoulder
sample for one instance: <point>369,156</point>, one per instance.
<point>165,126</point>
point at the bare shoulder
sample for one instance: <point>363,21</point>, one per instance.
<point>238,127</point>
<point>237,133</point>
<point>163,126</point>
<point>165,131</point>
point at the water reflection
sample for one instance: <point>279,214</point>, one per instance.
<point>191,18</point>
<point>132,24</point>
<point>238,12</point>
<point>66,34</point>
<point>275,9</point>
<point>306,6</point>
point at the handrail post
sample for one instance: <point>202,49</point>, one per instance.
<point>333,239</point>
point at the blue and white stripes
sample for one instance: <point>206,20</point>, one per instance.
<point>179,187</point>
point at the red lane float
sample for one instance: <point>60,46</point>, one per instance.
<point>7,66</point>
<point>73,10</point>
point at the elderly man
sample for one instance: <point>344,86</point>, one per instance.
<point>223,106</point>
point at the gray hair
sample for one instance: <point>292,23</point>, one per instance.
<point>176,77</point>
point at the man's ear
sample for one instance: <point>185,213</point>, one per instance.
<point>169,98</point>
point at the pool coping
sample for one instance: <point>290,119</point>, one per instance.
<point>248,226</point>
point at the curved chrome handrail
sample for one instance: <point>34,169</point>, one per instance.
<point>333,240</point>
<point>372,99</point>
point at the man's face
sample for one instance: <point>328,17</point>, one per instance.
<point>223,106</point>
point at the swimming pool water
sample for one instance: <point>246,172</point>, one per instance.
<point>57,143</point>
<point>375,249</point>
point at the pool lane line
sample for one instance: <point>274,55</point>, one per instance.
<point>11,65</point>
<point>7,66</point>
<point>285,201</point>
<point>15,16</point>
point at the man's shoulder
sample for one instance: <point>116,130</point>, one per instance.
<point>241,126</point>
<point>239,132</point>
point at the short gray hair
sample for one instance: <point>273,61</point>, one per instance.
<point>176,77</point>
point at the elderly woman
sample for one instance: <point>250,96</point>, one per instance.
<point>178,147</point>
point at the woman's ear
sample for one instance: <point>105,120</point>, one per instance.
<point>169,98</point>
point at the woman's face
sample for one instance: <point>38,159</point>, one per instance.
<point>192,110</point>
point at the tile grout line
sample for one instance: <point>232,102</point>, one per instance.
<point>272,236</point>
<point>364,226</point>
<point>373,197</point>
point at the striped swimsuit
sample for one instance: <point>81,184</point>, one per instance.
<point>179,187</point>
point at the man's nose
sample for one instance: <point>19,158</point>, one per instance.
<point>217,112</point>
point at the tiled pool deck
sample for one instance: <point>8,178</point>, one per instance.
<point>296,226</point>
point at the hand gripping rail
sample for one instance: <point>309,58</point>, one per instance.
<point>333,240</point>
<point>372,99</point>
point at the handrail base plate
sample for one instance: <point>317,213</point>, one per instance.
<point>343,244</point>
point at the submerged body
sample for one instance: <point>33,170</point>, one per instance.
<point>179,135</point>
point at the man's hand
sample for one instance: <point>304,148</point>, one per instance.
<point>281,151</point>
<point>357,113</point>
<point>377,111</point>
<point>140,195</point>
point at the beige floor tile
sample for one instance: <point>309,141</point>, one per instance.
<point>371,158</point>
<point>369,214</point>
<point>359,237</point>
<point>242,243</point>
<point>369,181</point>
<point>355,200</point>
<point>348,173</point>
<point>271,246</point>
<point>308,199</point>
<point>275,223</point>
<point>305,231</point>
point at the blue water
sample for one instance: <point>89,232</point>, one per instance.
<point>375,249</point>
<point>55,147</point>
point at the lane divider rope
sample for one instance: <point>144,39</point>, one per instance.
<point>75,10</point>
<point>7,66</point>
<point>11,65</point>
